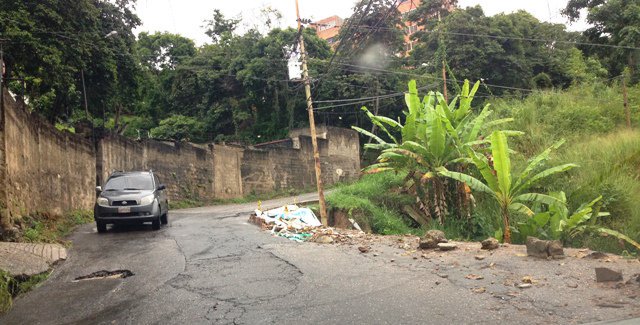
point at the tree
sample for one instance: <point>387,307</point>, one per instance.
<point>614,22</point>
<point>373,30</point>
<point>506,49</point>
<point>160,54</point>
<point>53,43</point>
<point>508,189</point>
<point>429,11</point>
<point>179,128</point>
<point>220,28</point>
<point>161,51</point>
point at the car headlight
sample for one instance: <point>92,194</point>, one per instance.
<point>102,201</point>
<point>147,199</point>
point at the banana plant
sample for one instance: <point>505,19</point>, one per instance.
<point>508,189</point>
<point>583,220</point>
<point>557,223</point>
<point>434,134</point>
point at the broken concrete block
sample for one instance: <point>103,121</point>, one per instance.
<point>596,255</point>
<point>490,244</point>
<point>604,274</point>
<point>544,248</point>
<point>554,248</point>
<point>324,239</point>
<point>431,239</point>
<point>537,247</point>
<point>447,246</point>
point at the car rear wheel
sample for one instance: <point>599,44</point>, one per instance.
<point>101,226</point>
<point>155,224</point>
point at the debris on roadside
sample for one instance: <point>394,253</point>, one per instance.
<point>604,274</point>
<point>447,246</point>
<point>479,290</point>
<point>474,276</point>
<point>490,244</point>
<point>323,239</point>
<point>432,238</point>
<point>544,248</point>
<point>634,278</point>
<point>355,224</point>
<point>289,216</point>
<point>596,255</point>
<point>301,224</point>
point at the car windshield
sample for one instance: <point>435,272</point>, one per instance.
<point>129,182</point>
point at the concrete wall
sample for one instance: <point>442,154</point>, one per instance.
<point>185,168</point>
<point>224,171</point>
<point>340,160</point>
<point>45,170</point>
<point>5,216</point>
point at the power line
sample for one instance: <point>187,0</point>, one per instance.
<point>424,76</point>
<point>354,101</point>
<point>519,38</point>
<point>341,43</point>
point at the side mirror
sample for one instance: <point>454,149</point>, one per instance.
<point>161,187</point>
<point>98,189</point>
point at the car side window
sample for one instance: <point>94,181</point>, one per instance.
<point>156,180</point>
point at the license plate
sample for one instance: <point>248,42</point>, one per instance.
<point>124,209</point>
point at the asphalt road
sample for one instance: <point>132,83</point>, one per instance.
<point>210,266</point>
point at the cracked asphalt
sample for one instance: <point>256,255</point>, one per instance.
<point>210,266</point>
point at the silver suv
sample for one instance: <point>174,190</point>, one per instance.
<point>131,197</point>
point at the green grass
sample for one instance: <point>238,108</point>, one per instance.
<point>375,203</point>
<point>6,297</point>
<point>584,110</point>
<point>609,166</point>
<point>48,228</point>
<point>11,287</point>
<point>592,120</point>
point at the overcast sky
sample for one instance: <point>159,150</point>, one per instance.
<point>185,17</point>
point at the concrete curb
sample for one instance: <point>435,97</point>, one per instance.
<point>29,259</point>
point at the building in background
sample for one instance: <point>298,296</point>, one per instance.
<point>405,7</point>
<point>328,28</point>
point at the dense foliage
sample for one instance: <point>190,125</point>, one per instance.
<point>237,86</point>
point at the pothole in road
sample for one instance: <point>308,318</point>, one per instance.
<point>117,274</point>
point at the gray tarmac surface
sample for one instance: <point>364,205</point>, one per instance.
<point>209,266</point>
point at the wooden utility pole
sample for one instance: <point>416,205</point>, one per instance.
<point>625,100</point>
<point>444,66</point>
<point>1,78</point>
<point>312,123</point>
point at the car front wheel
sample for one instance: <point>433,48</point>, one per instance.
<point>101,226</point>
<point>155,224</point>
<point>164,218</point>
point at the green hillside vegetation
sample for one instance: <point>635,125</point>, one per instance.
<point>590,117</point>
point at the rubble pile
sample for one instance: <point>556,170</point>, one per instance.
<point>301,224</point>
